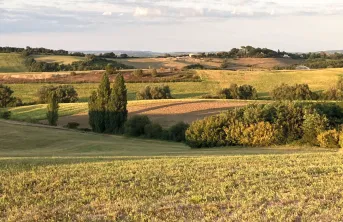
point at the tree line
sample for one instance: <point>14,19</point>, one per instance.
<point>90,63</point>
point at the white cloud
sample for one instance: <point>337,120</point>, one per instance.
<point>145,12</point>
<point>107,13</point>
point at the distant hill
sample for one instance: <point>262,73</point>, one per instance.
<point>334,51</point>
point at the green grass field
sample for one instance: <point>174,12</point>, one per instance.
<point>27,92</point>
<point>59,59</point>
<point>11,62</point>
<point>51,174</point>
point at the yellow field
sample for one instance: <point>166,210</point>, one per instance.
<point>265,81</point>
<point>59,59</point>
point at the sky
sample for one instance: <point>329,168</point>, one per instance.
<point>172,25</point>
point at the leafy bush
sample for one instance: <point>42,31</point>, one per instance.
<point>194,66</point>
<point>260,134</point>
<point>64,93</point>
<point>177,132</point>
<point>5,114</point>
<point>297,92</point>
<point>328,139</point>
<point>111,69</point>
<point>73,125</point>
<point>154,73</point>
<point>153,131</point>
<point>6,98</point>
<point>135,126</point>
<point>154,92</point>
<point>258,125</point>
<point>238,92</point>
<point>313,125</point>
<point>138,73</point>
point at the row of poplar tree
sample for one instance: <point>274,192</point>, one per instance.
<point>108,106</point>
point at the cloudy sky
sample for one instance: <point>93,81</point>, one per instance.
<point>172,25</point>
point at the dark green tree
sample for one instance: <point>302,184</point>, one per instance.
<point>116,111</point>
<point>53,106</point>
<point>6,97</point>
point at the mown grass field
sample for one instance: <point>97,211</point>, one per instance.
<point>50,175</point>
<point>58,58</point>
<point>11,62</point>
<point>180,90</point>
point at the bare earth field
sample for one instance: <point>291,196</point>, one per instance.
<point>166,113</point>
<point>179,63</point>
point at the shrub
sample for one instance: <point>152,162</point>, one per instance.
<point>177,132</point>
<point>154,92</point>
<point>341,139</point>
<point>194,66</point>
<point>329,139</point>
<point>135,126</point>
<point>5,114</point>
<point>260,134</point>
<point>153,131</point>
<point>111,69</point>
<point>6,98</point>
<point>238,92</point>
<point>154,73</point>
<point>313,125</point>
<point>73,125</point>
<point>138,73</point>
<point>64,93</point>
<point>297,92</point>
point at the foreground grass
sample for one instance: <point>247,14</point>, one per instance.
<point>11,62</point>
<point>50,174</point>
<point>298,187</point>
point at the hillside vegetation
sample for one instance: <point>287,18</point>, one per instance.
<point>11,62</point>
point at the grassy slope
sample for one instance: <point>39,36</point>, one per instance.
<point>57,58</point>
<point>91,182</point>
<point>11,62</point>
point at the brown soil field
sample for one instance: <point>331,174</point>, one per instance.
<point>234,64</point>
<point>164,75</point>
<point>167,113</point>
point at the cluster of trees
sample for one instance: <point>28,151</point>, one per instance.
<point>246,92</point>
<point>238,92</point>
<point>91,63</point>
<point>108,106</point>
<point>113,55</point>
<point>141,126</point>
<point>323,63</point>
<point>265,125</point>
<point>63,93</point>
<point>303,92</point>
<point>296,92</point>
<point>154,92</point>
<point>38,51</point>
